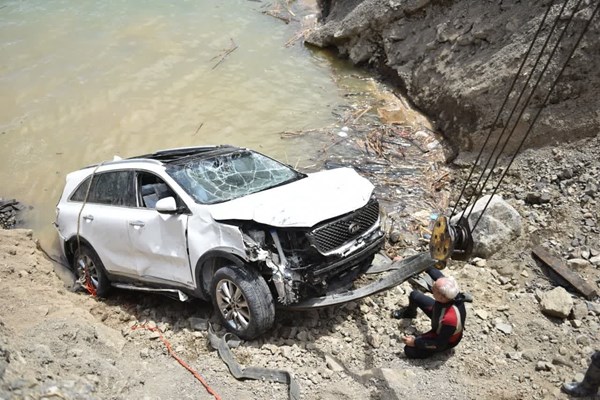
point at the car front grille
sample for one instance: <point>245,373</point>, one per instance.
<point>333,234</point>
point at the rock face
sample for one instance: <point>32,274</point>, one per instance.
<point>457,59</point>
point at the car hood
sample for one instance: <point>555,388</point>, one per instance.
<point>303,203</point>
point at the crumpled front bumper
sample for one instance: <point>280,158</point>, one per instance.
<point>373,243</point>
<point>399,271</point>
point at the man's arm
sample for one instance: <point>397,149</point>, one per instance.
<point>434,273</point>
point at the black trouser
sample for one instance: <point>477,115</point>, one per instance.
<point>416,300</point>
<point>413,352</point>
<point>596,359</point>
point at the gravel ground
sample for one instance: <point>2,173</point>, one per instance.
<point>56,343</point>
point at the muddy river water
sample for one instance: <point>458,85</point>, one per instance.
<point>81,82</point>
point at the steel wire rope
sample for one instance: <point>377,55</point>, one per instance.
<point>477,192</point>
<point>542,106</point>
<point>525,105</point>
<point>500,112</point>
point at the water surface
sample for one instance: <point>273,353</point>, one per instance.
<point>81,82</point>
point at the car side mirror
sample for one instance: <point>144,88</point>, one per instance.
<point>166,205</point>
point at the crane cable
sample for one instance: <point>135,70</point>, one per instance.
<point>533,90</point>
<point>526,103</point>
<point>499,113</point>
<point>588,23</point>
<point>477,193</point>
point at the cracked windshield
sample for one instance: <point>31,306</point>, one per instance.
<point>229,176</point>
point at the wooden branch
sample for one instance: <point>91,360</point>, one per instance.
<point>274,14</point>
<point>363,112</point>
<point>290,134</point>
<point>224,55</point>
<point>199,127</point>
<point>442,177</point>
<point>296,37</point>
<point>561,269</point>
<point>287,7</point>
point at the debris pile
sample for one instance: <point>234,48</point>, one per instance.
<point>9,213</point>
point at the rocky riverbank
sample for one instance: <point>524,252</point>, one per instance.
<point>58,343</point>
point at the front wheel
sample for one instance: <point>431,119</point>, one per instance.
<point>89,270</point>
<point>243,301</point>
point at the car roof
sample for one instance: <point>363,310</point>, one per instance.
<point>153,161</point>
<point>174,155</point>
<point>159,158</point>
<point>181,153</point>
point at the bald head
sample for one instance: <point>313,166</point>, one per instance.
<point>447,287</point>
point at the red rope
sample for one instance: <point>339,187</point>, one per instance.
<point>88,282</point>
<point>175,356</point>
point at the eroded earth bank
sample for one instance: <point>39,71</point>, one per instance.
<point>456,59</point>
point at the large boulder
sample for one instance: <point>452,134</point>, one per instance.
<point>499,224</point>
<point>556,303</point>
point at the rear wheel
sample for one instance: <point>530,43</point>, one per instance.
<point>89,270</point>
<point>243,301</point>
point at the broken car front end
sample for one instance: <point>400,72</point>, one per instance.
<point>309,262</point>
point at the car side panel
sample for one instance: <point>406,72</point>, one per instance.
<point>66,222</point>
<point>105,228</point>
<point>205,234</point>
<point>160,246</point>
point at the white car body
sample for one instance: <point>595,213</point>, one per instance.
<point>323,195</point>
<point>182,249</point>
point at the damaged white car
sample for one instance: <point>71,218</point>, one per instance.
<point>221,223</point>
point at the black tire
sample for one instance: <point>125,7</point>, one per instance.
<point>243,301</point>
<point>86,257</point>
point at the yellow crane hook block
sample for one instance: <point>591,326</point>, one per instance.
<point>450,241</point>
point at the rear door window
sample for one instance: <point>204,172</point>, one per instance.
<point>80,193</point>
<point>114,188</point>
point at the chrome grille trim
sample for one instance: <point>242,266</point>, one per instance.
<point>333,234</point>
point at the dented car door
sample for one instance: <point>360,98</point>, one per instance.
<point>103,214</point>
<point>160,246</point>
<point>159,240</point>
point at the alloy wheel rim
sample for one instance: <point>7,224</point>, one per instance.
<point>84,262</point>
<point>232,304</point>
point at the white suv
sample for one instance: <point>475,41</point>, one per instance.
<point>221,223</point>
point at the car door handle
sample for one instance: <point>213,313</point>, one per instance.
<point>88,217</point>
<point>137,224</point>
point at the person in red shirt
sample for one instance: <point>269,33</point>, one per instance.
<point>446,311</point>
